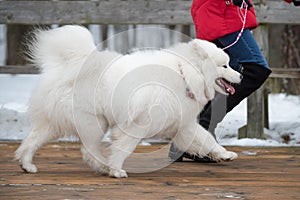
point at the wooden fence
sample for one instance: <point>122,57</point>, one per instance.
<point>127,12</point>
<point>168,12</point>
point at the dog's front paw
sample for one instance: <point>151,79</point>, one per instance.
<point>118,173</point>
<point>228,156</point>
<point>29,168</point>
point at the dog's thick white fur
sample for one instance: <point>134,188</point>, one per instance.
<point>85,92</point>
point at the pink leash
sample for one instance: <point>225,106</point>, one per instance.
<point>245,6</point>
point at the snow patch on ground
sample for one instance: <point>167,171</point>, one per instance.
<point>284,122</point>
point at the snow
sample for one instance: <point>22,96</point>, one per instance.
<point>284,116</point>
<point>284,122</point>
<point>14,96</point>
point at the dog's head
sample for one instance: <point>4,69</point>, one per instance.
<point>214,65</point>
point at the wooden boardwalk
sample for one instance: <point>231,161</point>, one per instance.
<point>259,173</point>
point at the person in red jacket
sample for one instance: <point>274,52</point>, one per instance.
<point>220,21</point>
<point>296,2</point>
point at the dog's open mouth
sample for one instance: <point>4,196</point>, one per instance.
<point>221,82</point>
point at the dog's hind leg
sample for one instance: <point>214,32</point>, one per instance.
<point>38,137</point>
<point>91,133</point>
<point>195,140</point>
<point>122,146</point>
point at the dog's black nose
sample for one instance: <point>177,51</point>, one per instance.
<point>241,76</point>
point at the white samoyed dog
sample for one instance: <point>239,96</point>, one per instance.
<point>85,92</point>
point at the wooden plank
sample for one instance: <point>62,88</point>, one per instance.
<point>259,173</point>
<point>266,108</point>
<point>293,73</point>
<point>126,12</point>
<point>255,115</point>
<point>276,12</point>
<point>19,69</point>
<point>14,48</point>
<point>96,12</point>
<point>28,69</point>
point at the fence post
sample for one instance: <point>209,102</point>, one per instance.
<point>15,39</point>
<point>255,102</point>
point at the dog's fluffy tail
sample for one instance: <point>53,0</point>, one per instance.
<point>66,46</point>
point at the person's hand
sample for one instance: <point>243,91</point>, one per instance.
<point>240,2</point>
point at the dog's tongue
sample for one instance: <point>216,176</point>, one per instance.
<point>228,87</point>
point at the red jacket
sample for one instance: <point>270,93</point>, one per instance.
<point>216,18</point>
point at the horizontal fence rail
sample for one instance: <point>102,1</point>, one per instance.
<point>285,73</point>
<point>19,69</point>
<point>293,73</point>
<point>127,12</point>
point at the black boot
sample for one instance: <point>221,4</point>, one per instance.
<point>253,77</point>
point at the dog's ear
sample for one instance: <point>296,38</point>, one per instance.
<point>199,87</point>
<point>209,91</point>
<point>198,48</point>
<point>210,73</point>
<point>202,87</point>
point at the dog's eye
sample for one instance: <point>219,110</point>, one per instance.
<point>225,66</point>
